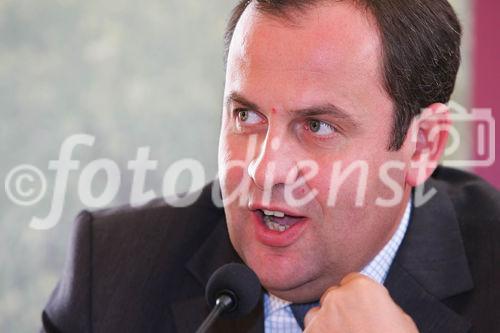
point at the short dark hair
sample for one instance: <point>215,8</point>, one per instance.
<point>420,43</point>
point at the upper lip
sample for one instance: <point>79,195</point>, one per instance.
<point>257,206</point>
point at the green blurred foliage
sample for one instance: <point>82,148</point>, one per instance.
<point>130,73</point>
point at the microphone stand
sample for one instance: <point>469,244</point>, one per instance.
<point>222,303</point>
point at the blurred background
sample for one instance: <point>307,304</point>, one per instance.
<point>133,75</point>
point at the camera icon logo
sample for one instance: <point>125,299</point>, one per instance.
<point>481,124</point>
<point>471,134</point>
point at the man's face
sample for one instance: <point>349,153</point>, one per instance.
<point>298,95</point>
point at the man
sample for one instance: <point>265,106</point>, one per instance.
<point>322,143</point>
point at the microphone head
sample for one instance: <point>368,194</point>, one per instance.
<point>240,283</point>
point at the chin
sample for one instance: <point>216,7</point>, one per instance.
<point>296,291</point>
<point>277,273</point>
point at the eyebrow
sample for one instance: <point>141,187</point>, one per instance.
<point>235,97</point>
<point>324,109</point>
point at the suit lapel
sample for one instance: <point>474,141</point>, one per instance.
<point>216,251</point>
<point>430,266</point>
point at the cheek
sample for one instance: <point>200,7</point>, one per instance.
<point>336,183</point>
<point>356,182</point>
<point>232,174</point>
<point>231,160</point>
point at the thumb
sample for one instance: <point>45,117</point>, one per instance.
<point>310,315</point>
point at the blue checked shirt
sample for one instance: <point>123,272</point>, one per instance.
<point>277,312</point>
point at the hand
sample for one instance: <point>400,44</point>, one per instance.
<point>358,305</point>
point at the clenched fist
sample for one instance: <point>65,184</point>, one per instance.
<point>361,305</point>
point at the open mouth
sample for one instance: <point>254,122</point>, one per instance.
<point>278,221</point>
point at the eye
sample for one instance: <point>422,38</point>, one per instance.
<point>245,117</point>
<point>319,127</point>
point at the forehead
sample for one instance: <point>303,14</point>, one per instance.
<point>331,47</point>
<point>325,34</point>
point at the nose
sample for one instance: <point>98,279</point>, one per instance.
<point>275,163</point>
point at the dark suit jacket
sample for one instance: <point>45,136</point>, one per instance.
<point>145,269</point>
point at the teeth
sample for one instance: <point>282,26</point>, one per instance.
<point>273,225</point>
<point>272,213</point>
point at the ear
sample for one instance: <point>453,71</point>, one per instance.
<point>429,135</point>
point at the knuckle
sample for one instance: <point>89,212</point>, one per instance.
<point>310,315</point>
<point>349,277</point>
<point>328,295</point>
<point>368,283</point>
<point>362,282</point>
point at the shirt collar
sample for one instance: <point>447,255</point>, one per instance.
<point>378,267</point>
<point>273,304</point>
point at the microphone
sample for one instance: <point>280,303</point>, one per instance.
<point>233,291</point>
